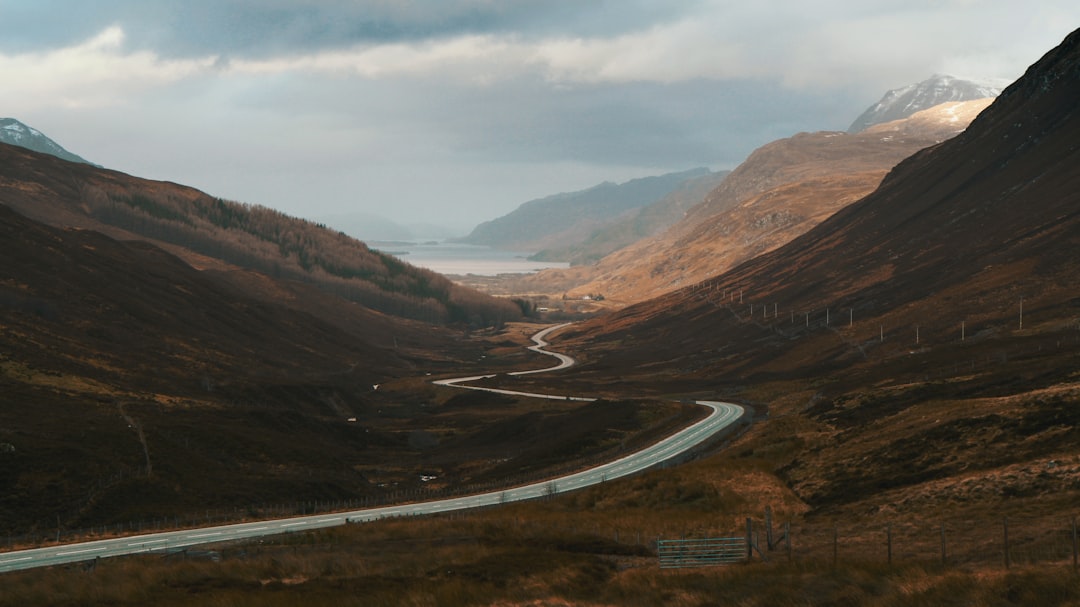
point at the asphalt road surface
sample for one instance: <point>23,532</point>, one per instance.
<point>722,416</point>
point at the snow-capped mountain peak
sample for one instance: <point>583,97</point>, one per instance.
<point>939,88</point>
<point>16,133</point>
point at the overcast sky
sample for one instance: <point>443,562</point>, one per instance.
<point>456,111</point>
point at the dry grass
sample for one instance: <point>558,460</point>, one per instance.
<point>595,548</point>
<point>485,559</point>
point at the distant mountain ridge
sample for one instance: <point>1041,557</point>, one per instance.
<point>646,221</point>
<point>569,218</point>
<point>17,133</point>
<point>905,101</point>
<point>782,190</point>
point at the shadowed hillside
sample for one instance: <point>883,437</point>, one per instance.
<point>134,387</point>
<point>129,380</point>
<point>211,232</point>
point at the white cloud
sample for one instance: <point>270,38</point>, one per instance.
<point>676,52</point>
<point>97,72</point>
<point>470,58</point>
<point>797,48</point>
<point>800,47</point>
<point>454,114</point>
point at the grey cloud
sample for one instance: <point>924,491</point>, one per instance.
<point>642,124</point>
<point>674,126</point>
<point>304,140</point>
<point>261,28</point>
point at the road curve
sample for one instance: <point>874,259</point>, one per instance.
<point>539,345</point>
<point>722,416</point>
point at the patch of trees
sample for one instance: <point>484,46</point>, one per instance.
<point>527,306</point>
<point>281,246</point>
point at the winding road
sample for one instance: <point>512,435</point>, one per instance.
<point>722,416</point>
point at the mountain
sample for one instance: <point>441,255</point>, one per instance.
<point>782,190</point>
<point>903,102</point>
<point>373,228</point>
<point>209,232</point>
<point>566,219</point>
<point>133,385</point>
<point>366,226</point>
<point>915,353</point>
<point>14,132</point>
<point>647,221</point>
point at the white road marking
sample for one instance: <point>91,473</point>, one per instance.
<point>145,542</point>
<point>84,551</point>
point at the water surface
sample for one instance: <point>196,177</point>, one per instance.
<point>462,259</point>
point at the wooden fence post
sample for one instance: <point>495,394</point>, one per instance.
<point>768,527</point>
<point>888,539</point>
<point>749,538</point>
<point>835,541</point>
<point>943,556</point>
<point>787,537</point>
<point>1008,561</point>
<point>1076,551</point>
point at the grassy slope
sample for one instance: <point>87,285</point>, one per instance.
<point>857,440</point>
<point>177,392</point>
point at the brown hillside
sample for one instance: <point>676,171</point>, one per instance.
<point>781,191</point>
<point>891,334</point>
<point>130,381</point>
<point>134,387</point>
<point>214,233</point>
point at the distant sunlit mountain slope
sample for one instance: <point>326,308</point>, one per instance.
<point>922,343</point>
<point>782,190</point>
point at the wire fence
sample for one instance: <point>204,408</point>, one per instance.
<point>1004,542</point>
<point>1007,541</point>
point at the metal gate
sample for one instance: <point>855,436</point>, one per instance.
<point>701,552</point>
